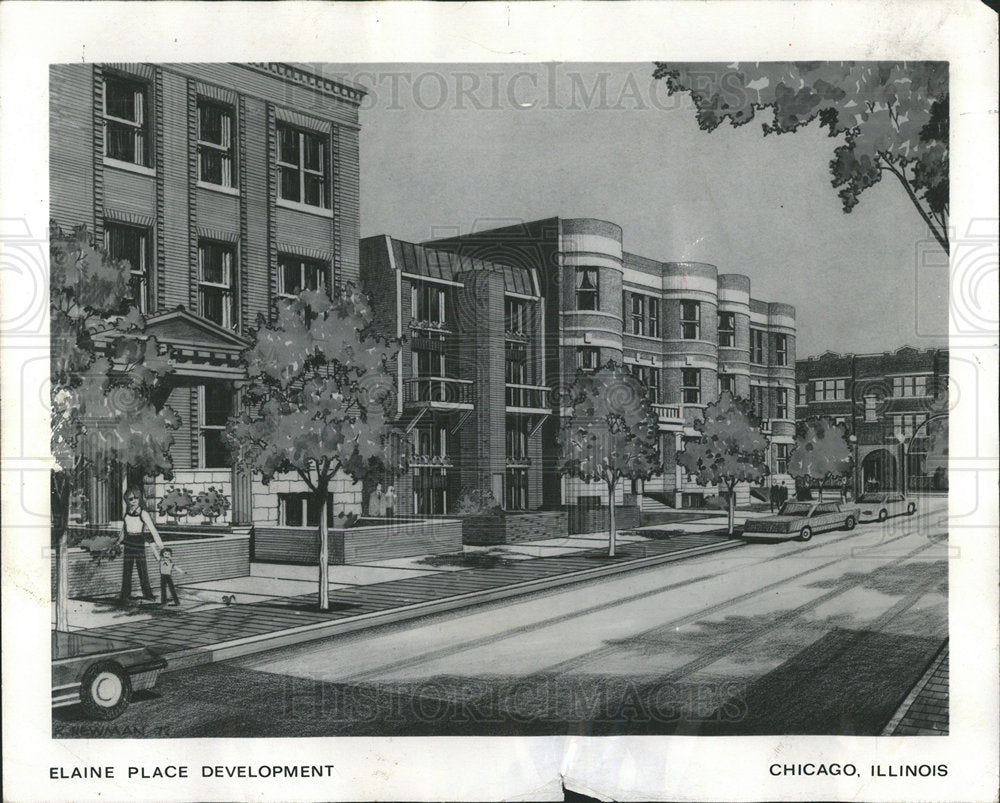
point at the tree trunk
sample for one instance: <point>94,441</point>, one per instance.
<point>612,530</point>
<point>60,515</point>
<point>732,507</point>
<point>821,490</point>
<point>324,555</point>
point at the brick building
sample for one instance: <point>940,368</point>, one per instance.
<point>686,331</point>
<point>226,187</point>
<point>890,402</point>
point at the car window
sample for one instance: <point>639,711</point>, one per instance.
<point>795,509</point>
<point>896,498</point>
<point>828,508</point>
<point>870,498</point>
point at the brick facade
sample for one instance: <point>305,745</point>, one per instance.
<point>127,152</point>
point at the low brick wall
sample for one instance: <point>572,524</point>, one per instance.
<point>359,544</point>
<point>202,559</point>
<point>513,527</point>
<point>595,520</point>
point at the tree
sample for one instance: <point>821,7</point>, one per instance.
<point>892,117</point>
<point>318,400</point>
<point>731,448</point>
<point>822,452</point>
<point>609,434</point>
<point>106,376</point>
<point>936,464</point>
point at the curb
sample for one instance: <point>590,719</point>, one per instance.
<point>918,687</point>
<point>197,656</point>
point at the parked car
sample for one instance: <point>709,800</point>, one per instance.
<point>802,519</point>
<point>880,505</point>
<point>100,673</point>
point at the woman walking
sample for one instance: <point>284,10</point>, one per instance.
<point>135,525</point>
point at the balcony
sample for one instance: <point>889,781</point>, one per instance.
<point>516,336</point>
<point>438,392</point>
<point>676,415</point>
<point>431,327</point>
<point>431,461</point>
<point>518,461</point>
<point>528,398</point>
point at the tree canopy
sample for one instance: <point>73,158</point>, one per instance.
<point>821,451</point>
<point>890,117</point>
<point>610,432</point>
<point>731,449</point>
<point>318,398</point>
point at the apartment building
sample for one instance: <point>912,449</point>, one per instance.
<point>685,330</point>
<point>226,187</point>
<point>889,403</point>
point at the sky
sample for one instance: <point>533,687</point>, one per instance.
<point>452,148</point>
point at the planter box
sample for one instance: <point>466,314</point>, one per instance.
<point>394,539</point>
<point>218,556</point>
<point>510,528</point>
<point>595,520</point>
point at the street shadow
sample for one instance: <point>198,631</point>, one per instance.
<point>894,579</point>
<point>468,560</point>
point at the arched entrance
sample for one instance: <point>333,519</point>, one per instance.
<point>878,472</point>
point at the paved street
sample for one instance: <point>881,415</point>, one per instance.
<point>777,637</point>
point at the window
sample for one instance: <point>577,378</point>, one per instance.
<point>214,409</point>
<point>650,378</point>
<point>727,384</point>
<point>757,401</point>
<point>781,349</point>
<point>727,329</point>
<point>428,302</point>
<point>215,144</point>
<point>803,393</point>
<point>126,120</point>
<point>431,441</point>
<point>587,287</point>
<point>517,437</point>
<point>516,366</point>
<point>430,495</point>
<point>516,316</point>
<point>296,274</point>
<point>302,166</point>
<point>781,452</point>
<point>780,403</point>
<point>638,315</point>
<point>215,282</point>
<point>829,389</point>
<point>652,316</point>
<point>691,385</point>
<point>516,489</point>
<point>870,411</point>
<point>907,423</point>
<point>131,244</point>
<point>428,362</point>
<point>903,386</point>
<point>301,510</point>
<point>690,320</point>
<point>758,352</point>
<point>588,358</point>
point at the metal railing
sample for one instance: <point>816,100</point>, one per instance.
<point>437,390</point>
<point>531,396</point>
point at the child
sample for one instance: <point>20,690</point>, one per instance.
<point>167,567</point>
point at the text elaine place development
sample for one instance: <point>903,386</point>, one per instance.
<point>214,771</point>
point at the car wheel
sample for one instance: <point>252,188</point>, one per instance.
<point>805,534</point>
<point>911,509</point>
<point>849,523</point>
<point>883,514</point>
<point>105,690</point>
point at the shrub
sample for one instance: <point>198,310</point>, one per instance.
<point>102,548</point>
<point>477,502</point>
<point>175,503</point>
<point>211,504</point>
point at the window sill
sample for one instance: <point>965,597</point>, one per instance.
<point>319,211</point>
<point>129,167</point>
<point>220,188</point>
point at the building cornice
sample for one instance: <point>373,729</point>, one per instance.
<point>307,78</point>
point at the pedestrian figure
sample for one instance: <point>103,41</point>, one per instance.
<point>376,504</point>
<point>167,568</point>
<point>136,524</point>
<point>390,501</point>
<point>782,494</point>
<point>774,497</point>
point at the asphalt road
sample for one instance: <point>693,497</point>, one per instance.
<point>776,637</point>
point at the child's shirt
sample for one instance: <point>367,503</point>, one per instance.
<point>166,565</point>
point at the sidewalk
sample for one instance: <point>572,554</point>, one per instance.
<point>276,605</point>
<point>924,712</point>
